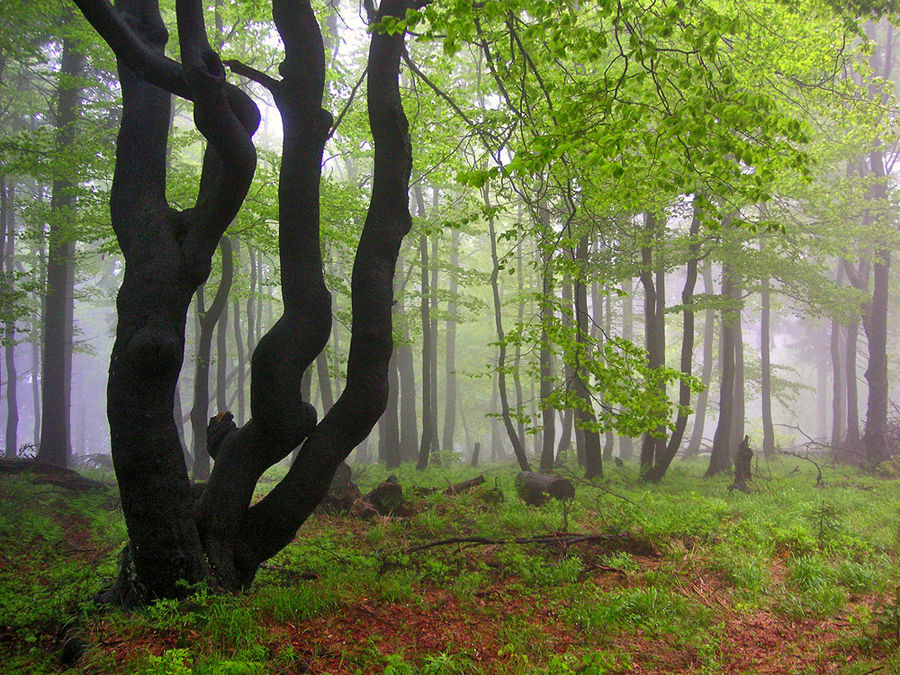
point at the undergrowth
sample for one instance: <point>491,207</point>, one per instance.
<point>684,576</point>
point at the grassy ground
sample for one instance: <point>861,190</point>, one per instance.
<point>681,577</point>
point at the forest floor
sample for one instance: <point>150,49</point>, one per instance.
<point>683,577</point>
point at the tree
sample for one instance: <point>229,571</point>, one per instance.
<point>174,540</point>
<point>56,377</point>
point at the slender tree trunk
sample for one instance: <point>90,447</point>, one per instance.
<point>838,388</point>
<point>427,441</point>
<point>239,344</point>
<point>737,424</point>
<point>517,352</point>
<point>626,443</point>
<point>433,325</point>
<point>853,438</point>
<point>765,339</point>
<point>709,328</point>
<point>55,447</point>
<point>875,322</point>
<point>652,265</point>
<point>7,266</point>
<point>548,414</point>
<point>821,392</point>
<point>251,302</point>
<point>518,448</point>
<point>666,453</point>
<point>450,355</point>
<point>208,321</point>
<point>222,361</point>
<point>584,414</point>
<point>409,424</point>
<point>720,457</point>
<point>389,424</point>
<point>497,452</point>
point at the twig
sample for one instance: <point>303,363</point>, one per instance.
<point>584,481</point>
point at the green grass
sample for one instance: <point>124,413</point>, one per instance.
<point>352,596</point>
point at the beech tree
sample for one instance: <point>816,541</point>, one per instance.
<point>179,536</point>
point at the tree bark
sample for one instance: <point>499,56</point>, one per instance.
<point>450,351</point>
<point>584,413</point>
<point>518,448</point>
<point>765,339</point>
<point>720,457</point>
<point>428,441</point>
<point>709,328</point>
<point>209,319</point>
<point>409,423</point>
<point>875,323</point>
<point>626,443</point>
<point>7,266</point>
<point>548,414</point>
<point>55,446</point>
<point>666,454</point>
<point>737,424</point>
<point>652,265</point>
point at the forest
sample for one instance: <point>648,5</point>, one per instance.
<point>435,336</point>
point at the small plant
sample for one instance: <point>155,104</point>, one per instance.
<point>447,664</point>
<point>888,619</point>
<point>826,521</point>
<point>172,662</point>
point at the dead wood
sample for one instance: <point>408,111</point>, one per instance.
<point>536,488</point>
<point>50,474</point>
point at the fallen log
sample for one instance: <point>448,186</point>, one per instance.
<point>537,488</point>
<point>50,474</point>
<point>465,486</point>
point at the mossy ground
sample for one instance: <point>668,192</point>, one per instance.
<point>688,577</point>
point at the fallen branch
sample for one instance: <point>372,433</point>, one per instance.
<point>564,539</point>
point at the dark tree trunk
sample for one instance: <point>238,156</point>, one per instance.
<point>427,441</point>
<point>666,454</point>
<point>720,457</point>
<point>838,386</point>
<point>209,318</point>
<point>251,302</point>
<point>56,358</point>
<point>548,414</point>
<point>409,423</point>
<point>653,265</point>
<point>7,267</point>
<point>433,325</point>
<point>168,255</point>
<point>709,328</point>
<point>875,323</point>
<point>737,423</point>
<point>584,413</point>
<point>450,353</point>
<point>852,439</point>
<point>222,380</point>
<point>239,345</point>
<point>389,424</point>
<point>565,438</point>
<point>517,352</point>
<point>626,443</point>
<point>505,414</point>
<point>765,339</point>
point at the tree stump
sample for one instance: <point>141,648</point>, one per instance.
<point>342,493</point>
<point>475,452</point>
<point>384,500</point>
<point>537,488</point>
<point>742,466</point>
